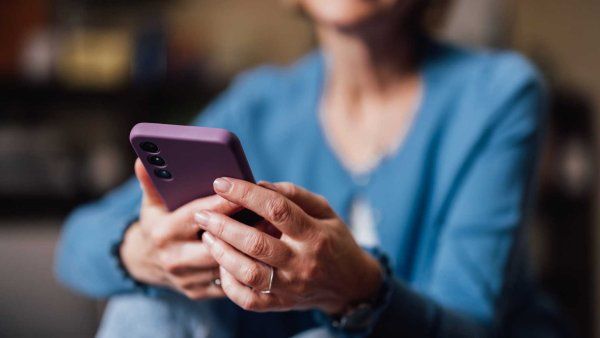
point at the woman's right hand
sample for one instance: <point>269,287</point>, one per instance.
<point>163,249</point>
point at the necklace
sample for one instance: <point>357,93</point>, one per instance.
<point>378,147</point>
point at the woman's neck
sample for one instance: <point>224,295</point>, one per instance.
<point>368,63</point>
<point>371,94</point>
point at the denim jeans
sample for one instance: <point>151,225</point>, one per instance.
<point>137,315</point>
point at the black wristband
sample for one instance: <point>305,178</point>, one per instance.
<point>115,251</point>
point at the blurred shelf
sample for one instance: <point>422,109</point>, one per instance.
<point>55,105</point>
<point>168,102</point>
<point>16,207</point>
<point>18,90</point>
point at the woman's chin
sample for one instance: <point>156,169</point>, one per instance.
<point>343,13</point>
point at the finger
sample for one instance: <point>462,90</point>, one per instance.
<point>243,296</point>
<point>197,278</point>
<point>185,272</point>
<point>203,291</point>
<point>214,203</point>
<point>268,228</point>
<point>246,270</point>
<point>187,255</point>
<point>151,197</point>
<point>246,239</point>
<point>272,206</point>
<point>313,204</point>
<point>181,224</point>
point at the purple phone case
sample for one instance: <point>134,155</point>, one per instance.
<point>195,156</point>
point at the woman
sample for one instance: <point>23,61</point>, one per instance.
<point>410,162</point>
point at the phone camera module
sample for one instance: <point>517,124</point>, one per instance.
<point>156,160</point>
<point>149,147</point>
<point>162,173</point>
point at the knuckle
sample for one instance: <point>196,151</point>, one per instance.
<point>286,255</point>
<point>242,191</point>
<point>312,270</point>
<point>165,259</point>
<point>321,199</point>
<point>257,246</point>
<point>298,283</point>
<point>321,245</point>
<point>217,252</point>
<point>288,188</point>
<point>171,266</point>
<point>159,236</point>
<point>338,230</point>
<point>278,210</point>
<point>219,225</point>
<point>306,278</point>
<point>252,275</point>
<point>324,202</point>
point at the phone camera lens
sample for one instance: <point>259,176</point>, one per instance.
<point>156,160</point>
<point>162,173</point>
<point>149,147</point>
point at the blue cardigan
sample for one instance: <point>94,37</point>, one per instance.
<point>449,203</point>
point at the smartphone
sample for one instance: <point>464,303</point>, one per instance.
<point>184,161</point>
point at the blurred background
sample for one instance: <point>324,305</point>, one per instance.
<point>75,75</point>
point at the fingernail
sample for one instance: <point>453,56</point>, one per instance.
<point>202,218</point>
<point>222,185</point>
<point>208,238</point>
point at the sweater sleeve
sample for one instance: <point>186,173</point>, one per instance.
<point>482,221</point>
<point>84,259</point>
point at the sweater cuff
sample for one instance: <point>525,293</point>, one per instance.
<point>115,251</point>
<point>377,308</point>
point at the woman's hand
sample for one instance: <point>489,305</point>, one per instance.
<point>316,262</point>
<point>163,248</point>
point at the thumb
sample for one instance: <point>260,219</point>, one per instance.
<point>150,195</point>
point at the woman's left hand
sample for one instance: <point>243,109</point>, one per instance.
<point>316,262</point>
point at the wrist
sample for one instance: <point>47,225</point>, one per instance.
<point>126,249</point>
<point>365,290</point>
<point>133,253</point>
<point>122,255</point>
<point>361,318</point>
